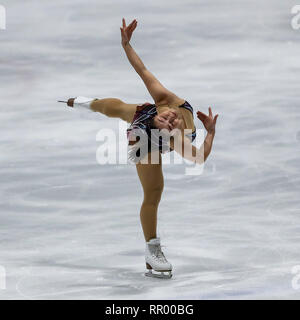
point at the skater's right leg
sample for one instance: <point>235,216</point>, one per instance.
<point>152,181</point>
<point>151,178</point>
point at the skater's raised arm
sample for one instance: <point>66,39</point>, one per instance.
<point>134,59</point>
<point>182,145</point>
<point>159,93</point>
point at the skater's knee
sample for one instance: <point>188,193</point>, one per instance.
<point>111,107</point>
<point>108,101</point>
<point>152,195</point>
<point>114,101</point>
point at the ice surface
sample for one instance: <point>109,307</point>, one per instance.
<point>70,228</point>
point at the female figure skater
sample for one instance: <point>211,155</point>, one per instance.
<point>168,112</point>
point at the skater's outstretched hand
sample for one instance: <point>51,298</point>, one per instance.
<point>209,121</point>
<point>126,31</point>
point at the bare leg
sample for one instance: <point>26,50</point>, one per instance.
<point>152,181</point>
<point>150,175</point>
<point>114,108</point>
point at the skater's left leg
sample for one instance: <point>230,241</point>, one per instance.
<point>152,181</point>
<point>114,108</point>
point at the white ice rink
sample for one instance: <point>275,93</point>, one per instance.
<point>69,227</point>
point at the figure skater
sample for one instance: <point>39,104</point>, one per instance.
<point>168,113</point>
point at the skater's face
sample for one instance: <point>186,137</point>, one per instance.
<point>167,120</point>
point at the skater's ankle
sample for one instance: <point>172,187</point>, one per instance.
<point>150,238</point>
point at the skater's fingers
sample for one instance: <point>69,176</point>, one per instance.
<point>201,113</point>
<point>124,23</point>
<point>202,116</point>
<point>210,112</point>
<point>130,29</point>
<point>134,26</point>
<point>215,118</point>
<point>132,23</point>
<point>129,26</point>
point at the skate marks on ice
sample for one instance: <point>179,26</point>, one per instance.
<point>193,280</point>
<point>209,278</point>
<point>74,280</point>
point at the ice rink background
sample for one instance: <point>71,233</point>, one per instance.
<point>69,227</point>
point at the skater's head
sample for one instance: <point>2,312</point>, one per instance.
<point>167,120</point>
<point>142,139</point>
<point>146,119</point>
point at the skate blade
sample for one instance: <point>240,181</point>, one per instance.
<point>160,275</point>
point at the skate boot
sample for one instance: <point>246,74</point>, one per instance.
<point>82,102</point>
<point>156,261</point>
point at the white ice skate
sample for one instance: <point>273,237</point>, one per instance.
<point>156,261</point>
<point>82,102</point>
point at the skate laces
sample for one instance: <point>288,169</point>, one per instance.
<point>159,254</point>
